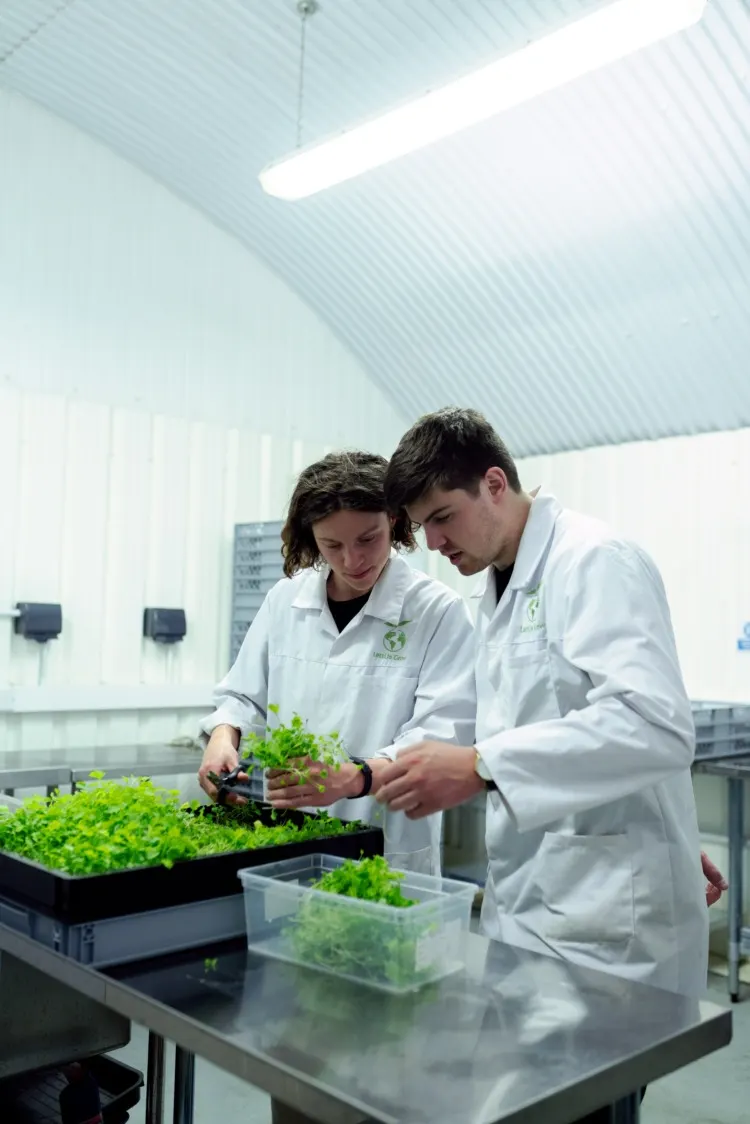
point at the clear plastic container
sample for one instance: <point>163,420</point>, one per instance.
<point>389,948</point>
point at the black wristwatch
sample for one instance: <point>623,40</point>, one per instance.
<point>366,777</point>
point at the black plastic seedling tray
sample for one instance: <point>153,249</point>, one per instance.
<point>78,899</point>
<point>34,1098</point>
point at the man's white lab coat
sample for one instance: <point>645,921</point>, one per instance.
<point>585,726</point>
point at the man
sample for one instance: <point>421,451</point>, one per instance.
<point>584,736</point>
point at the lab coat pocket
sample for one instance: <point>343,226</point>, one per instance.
<point>586,888</point>
<point>525,690</point>
<point>526,653</point>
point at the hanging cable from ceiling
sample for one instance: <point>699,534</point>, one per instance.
<point>306,9</point>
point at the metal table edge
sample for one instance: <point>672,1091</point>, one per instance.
<point>274,1078</point>
<point>68,972</point>
<point>308,1096</point>
<point>572,1102</point>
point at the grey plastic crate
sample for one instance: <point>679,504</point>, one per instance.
<point>268,530</point>
<point>258,565</point>
<point>254,585</point>
<point>265,571</point>
<point>135,936</point>
<point>722,730</point>
<point>254,552</point>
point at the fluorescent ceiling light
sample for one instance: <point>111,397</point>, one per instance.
<point>607,35</point>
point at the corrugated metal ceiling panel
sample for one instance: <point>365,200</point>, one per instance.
<point>579,267</point>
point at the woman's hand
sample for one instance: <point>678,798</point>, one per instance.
<point>716,883</point>
<point>313,784</point>
<point>220,757</point>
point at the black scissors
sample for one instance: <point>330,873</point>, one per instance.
<point>230,784</point>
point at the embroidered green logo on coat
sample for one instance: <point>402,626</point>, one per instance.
<point>533,610</point>
<point>394,641</point>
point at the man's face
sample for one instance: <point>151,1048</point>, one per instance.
<point>466,528</point>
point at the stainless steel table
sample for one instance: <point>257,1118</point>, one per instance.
<point>516,1038</point>
<point>36,776</point>
<point>50,768</point>
<point>136,760</point>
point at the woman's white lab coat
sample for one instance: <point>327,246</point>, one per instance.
<point>584,723</point>
<point>401,671</point>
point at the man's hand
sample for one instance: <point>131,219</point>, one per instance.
<point>716,883</point>
<point>220,756</point>
<point>318,786</point>
<point>429,777</point>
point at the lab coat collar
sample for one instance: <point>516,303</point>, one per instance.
<point>535,539</point>
<point>386,600</point>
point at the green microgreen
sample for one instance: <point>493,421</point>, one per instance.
<point>352,941</point>
<point>112,825</point>
<point>285,745</point>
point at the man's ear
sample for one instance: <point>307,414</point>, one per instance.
<point>496,481</point>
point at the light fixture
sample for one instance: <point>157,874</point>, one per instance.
<point>589,43</point>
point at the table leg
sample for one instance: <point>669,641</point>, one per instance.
<point>282,1114</point>
<point>184,1086</point>
<point>155,1080</point>
<point>736,832</point>
<point>627,1110</point>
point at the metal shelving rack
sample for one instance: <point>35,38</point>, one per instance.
<point>258,565</point>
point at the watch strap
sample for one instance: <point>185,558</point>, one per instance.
<point>366,772</point>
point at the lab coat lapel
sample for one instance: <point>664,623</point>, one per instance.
<point>535,541</point>
<point>386,601</point>
<point>485,594</point>
<point>532,550</point>
<point>312,595</point>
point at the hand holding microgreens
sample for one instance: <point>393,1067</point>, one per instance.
<point>292,749</point>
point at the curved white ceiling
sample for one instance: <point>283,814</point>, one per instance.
<point>579,267</point>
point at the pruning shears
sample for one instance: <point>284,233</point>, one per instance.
<point>230,783</point>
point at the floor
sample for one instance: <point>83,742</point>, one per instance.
<point>713,1091</point>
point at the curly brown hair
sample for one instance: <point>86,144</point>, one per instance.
<point>339,482</point>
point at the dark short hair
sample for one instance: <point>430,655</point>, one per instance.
<point>452,448</point>
<point>339,482</point>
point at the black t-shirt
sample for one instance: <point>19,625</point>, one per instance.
<point>345,611</point>
<point>502,577</point>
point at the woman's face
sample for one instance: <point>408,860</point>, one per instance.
<point>356,545</point>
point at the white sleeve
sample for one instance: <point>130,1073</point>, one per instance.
<point>241,699</point>
<point>637,728</point>
<point>445,700</point>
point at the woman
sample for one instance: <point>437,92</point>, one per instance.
<point>354,640</point>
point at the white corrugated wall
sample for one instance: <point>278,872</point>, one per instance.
<point>687,500</point>
<point>157,385</point>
